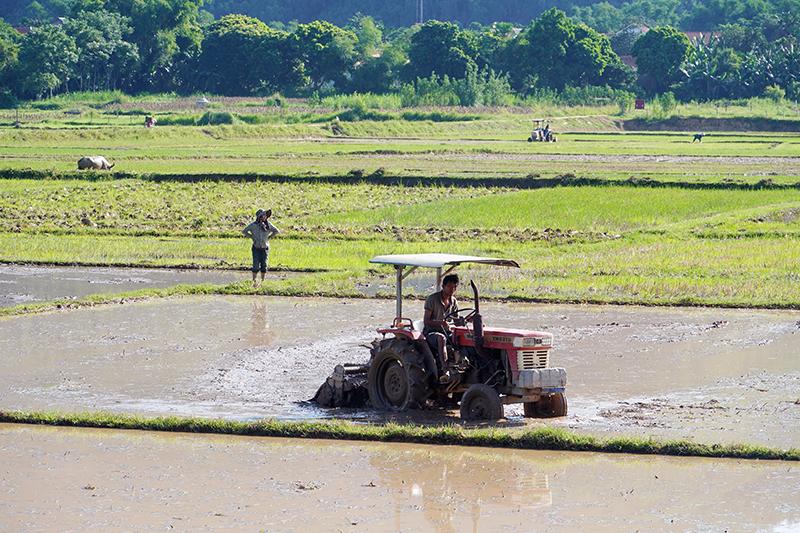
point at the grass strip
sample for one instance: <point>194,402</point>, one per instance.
<point>357,177</point>
<point>530,439</point>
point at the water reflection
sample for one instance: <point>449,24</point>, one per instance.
<point>451,485</point>
<point>260,332</point>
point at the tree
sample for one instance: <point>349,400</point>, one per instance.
<point>105,59</point>
<point>369,37</point>
<point>441,48</point>
<point>46,57</point>
<point>242,55</point>
<point>9,55</point>
<point>713,71</point>
<point>709,14</point>
<point>555,52</point>
<point>9,46</point>
<point>660,53</point>
<point>167,35</point>
<point>601,16</point>
<point>327,52</point>
<point>380,73</point>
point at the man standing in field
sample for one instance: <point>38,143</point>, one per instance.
<point>260,231</point>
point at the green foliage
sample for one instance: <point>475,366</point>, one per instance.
<point>105,59</point>
<point>555,52</point>
<point>660,53</point>
<point>476,88</point>
<point>327,51</point>
<point>663,105</point>
<point>215,118</point>
<point>774,93</point>
<point>366,100</point>
<point>369,37</point>
<point>380,72</point>
<point>241,55</point>
<point>9,54</point>
<point>47,56</point>
<point>148,45</point>
<point>440,48</point>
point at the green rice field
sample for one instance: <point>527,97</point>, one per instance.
<point>644,217</point>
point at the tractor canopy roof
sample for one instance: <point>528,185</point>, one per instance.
<point>439,260</point>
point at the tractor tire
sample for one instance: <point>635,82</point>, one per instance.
<point>552,406</point>
<point>481,402</point>
<point>396,379</point>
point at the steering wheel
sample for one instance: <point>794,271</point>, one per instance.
<point>456,314</point>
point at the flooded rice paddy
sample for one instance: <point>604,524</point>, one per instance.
<point>20,284</point>
<point>103,480</point>
<point>709,375</point>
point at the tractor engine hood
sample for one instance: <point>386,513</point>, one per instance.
<point>508,338</point>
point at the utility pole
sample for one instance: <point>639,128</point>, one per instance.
<point>420,16</point>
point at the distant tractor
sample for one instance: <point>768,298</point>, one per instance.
<point>488,367</point>
<point>541,132</point>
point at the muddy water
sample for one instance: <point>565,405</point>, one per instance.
<point>79,479</point>
<point>25,284</point>
<point>705,374</point>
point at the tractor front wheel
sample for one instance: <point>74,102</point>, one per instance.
<point>481,402</point>
<point>551,406</point>
<point>396,379</point>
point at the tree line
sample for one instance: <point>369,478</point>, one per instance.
<point>605,16</point>
<point>167,45</point>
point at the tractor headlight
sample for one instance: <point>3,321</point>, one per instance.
<point>527,342</point>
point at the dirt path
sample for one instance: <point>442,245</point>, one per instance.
<point>710,375</point>
<point>101,480</point>
<point>25,283</point>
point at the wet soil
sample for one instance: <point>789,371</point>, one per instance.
<point>102,480</point>
<point>21,284</point>
<point>711,375</point>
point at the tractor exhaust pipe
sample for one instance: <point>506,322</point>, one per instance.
<point>477,320</point>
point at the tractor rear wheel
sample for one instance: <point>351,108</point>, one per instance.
<point>481,402</point>
<point>551,406</point>
<point>397,379</point>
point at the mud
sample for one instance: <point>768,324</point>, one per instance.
<point>79,479</point>
<point>710,375</point>
<point>21,284</point>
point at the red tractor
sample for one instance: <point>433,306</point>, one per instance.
<point>488,366</point>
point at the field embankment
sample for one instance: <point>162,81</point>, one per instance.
<point>535,439</point>
<point>714,124</point>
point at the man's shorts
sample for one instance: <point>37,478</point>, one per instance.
<point>433,340</point>
<point>260,259</point>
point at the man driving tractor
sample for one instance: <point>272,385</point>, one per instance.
<point>439,306</point>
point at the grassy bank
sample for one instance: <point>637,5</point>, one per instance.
<point>532,439</point>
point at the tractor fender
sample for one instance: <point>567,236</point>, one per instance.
<point>427,354</point>
<point>400,332</point>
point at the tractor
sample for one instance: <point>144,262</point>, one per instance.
<point>541,132</point>
<point>488,366</point>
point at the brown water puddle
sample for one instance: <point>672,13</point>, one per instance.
<point>21,284</point>
<point>710,375</point>
<point>101,480</point>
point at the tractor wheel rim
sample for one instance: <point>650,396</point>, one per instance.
<point>394,384</point>
<point>478,408</point>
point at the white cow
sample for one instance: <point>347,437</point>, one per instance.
<point>95,162</point>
